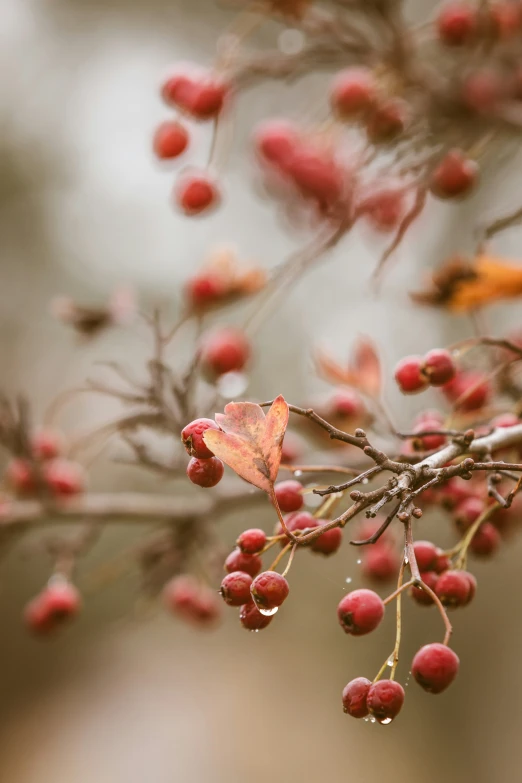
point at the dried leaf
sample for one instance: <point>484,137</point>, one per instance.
<point>250,443</point>
<point>363,372</point>
<point>229,279</point>
<point>461,285</point>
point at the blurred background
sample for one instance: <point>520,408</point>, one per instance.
<point>85,208</point>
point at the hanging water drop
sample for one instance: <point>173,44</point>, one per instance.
<point>386,721</point>
<point>389,662</point>
<point>359,561</point>
<point>268,612</point>
<point>348,580</point>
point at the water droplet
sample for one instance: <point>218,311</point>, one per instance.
<point>389,662</point>
<point>268,612</point>
<point>291,41</point>
<point>359,561</point>
<point>232,384</point>
<point>298,473</point>
<point>365,481</point>
<point>406,560</point>
<point>386,721</point>
<point>373,720</point>
<point>348,580</point>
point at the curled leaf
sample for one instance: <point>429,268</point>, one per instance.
<point>249,442</point>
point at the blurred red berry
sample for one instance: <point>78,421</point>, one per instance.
<point>353,92</point>
<point>387,120</point>
<point>468,511</point>
<point>454,176</point>
<point>425,554</point>
<point>58,602</point>
<point>192,601</point>
<point>439,367</point>
<point>457,23</point>
<point>20,476</point>
<point>202,97</point>
<point>289,495</point>
<point>469,390</point>
<point>380,562</point>
<point>328,542</point>
<point>224,350</point>
<point>483,90</point>
<point>409,376</point>
<point>170,140</point>
<point>486,540</point>
<point>196,193</point>
<point>47,444</point>
<point>64,478</point>
<point>276,141</point>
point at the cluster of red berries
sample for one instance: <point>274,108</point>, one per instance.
<point>434,666</point>
<point>204,469</point>
<point>46,470</point>
<point>415,373</point>
<point>461,23</point>
<point>201,97</point>
<point>192,601</point>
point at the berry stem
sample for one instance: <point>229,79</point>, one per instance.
<point>462,547</point>
<point>273,498</point>
<point>290,560</point>
<point>398,622</point>
<point>281,555</point>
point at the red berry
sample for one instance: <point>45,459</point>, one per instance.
<point>240,561</point>
<point>192,601</point>
<point>269,590</point>
<point>20,476</point>
<point>434,667</point>
<point>252,541</point>
<point>486,540</point>
<point>385,699</point>
<point>170,140</point>
<point>225,350</point>
<point>360,612</point>
<point>425,554</point>
<point>353,91</point>
<point>58,602</point>
<point>276,141</point>
<point>196,193</point>
<point>201,97</point>
<point>428,442</point>
<point>292,448</point>
<point>505,420</point>
<point>64,478</point>
<point>328,542</point>
<point>298,521</point>
<point>384,208</point>
<point>289,495</point>
<point>205,472</point>
<point>380,562</point>
<point>421,596</point>
<point>472,586</point>
<point>455,491</point>
<point>439,367</point>
<point>387,120</point>
<point>469,390</point>
<point>505,18</point>
<point>346,403</point>
<point>453,589</point>
<point>235,588</point>
<point>468,511</point>
<point>483,90</point>
<point>47,444</point>
<point>442,563</point>
<point>192,438</point>
<point>457,23</point>
<point>354,697</point>
<point>409,376</point>
<point>316,176</point>
<point>455,176</point>
<point>204,290</point>
<point>252,619</point>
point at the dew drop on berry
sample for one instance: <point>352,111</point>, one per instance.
<point>389,662</point>
<point>268,612</point>
<point>386,721</point>
<point>232,384</point>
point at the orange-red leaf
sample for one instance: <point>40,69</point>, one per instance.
<point>249,442</point>
<point>363,372</point>
<point>461,285</point>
